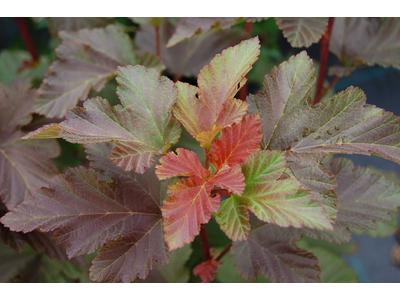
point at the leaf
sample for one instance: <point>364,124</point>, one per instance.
<point>316,178</point>
<point>373,41</point>
<point>188,57</point>
<point>88,58</point>
<point>24,165</point>
<point>12,61</point>
<point>39,242</point>
<point>148,190</point>
<point>72,24</point>
<point>175,271</point>
<point>333,268</point>
<point>273,251</point>
<point>218,83</point>
<point>188,27</point>
<point>283,202</point>
<point>302,32</point>
<point>149,60</point>
<point>16,104</point>
<point>227,274</point>
<point>383,230</point>
<point>236,142</point>
<point>343,124</point>
<point>207,269</point>
<point>147,100</point>
<point>190,206</point>
<point>29,267</point>
<point>124,215</point>
<point>364,199</point>
<point>186,163</point>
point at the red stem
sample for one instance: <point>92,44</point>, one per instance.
<point>28,41</point>
<point>223,252</point>
<point>158,41</point>
<point>248,28</point>
<point>323,59</point>
<point>205,243</point>
<point>221,192</point>
<point>333,82</point>
<point>243,92</point>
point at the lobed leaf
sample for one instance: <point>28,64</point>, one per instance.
<point>30,267</point>
<point>373,41</point>
<point>147,101</point>
<point>175,271</point>
<point>333,268</point>
<point>302,32</point>
<point>88,58</point>
<point>342,124</point>
<point>218,83</point>
<point>207,270</point>
<point>187,57</point>
<point>16,104</point>
<point>72,24</point>
<point>188,27</point>
<point>283,202</point>
<point>124,215</point>
<point>190,206</point>
<point>364,199</point>
<point>236,142</point>
<point>273,251</point>
<point>185,163</point>
<point>24,165</point>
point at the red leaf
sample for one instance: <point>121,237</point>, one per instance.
<point>190,206</point>
<point>206,270</point>
<point>186,163</point>
<point>237,142</point>
<point>230,178</point>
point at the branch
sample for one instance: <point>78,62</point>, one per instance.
<point>323,60</point>
<point>205,243</point>
<point>223,252</point>
<point>221,192</point>
<point>29,44</point>
<point>158,46</point>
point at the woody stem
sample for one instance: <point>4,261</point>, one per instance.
<point>323,60</point>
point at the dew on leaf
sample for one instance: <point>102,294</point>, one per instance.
<point>337,128</point>
<point>318,137</point>
<point>328,132</point>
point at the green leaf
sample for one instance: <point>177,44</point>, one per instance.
<point>274,200</point>
<point>302,32</point>
<point>11,62</point>
<point>88,58</point>
<point>333,268</point>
